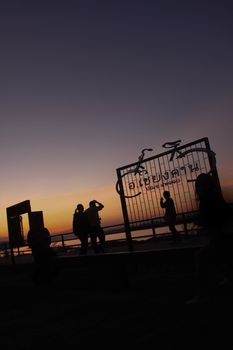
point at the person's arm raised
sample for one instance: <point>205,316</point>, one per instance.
<point>100,205</point>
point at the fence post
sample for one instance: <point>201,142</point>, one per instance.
<point>62,240</point>
<point>6,250</point>
<point>153,229</point>
<point>185,224</point>
<point>12,255</point>
<point>125,212</point>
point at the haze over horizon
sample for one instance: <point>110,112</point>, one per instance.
<point>86,85</point>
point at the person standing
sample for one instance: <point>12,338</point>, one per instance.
<point>39,241</point>
<point>214,260</point>
<point>96,230</point>
<point>170,214</point>
<point>81,227</point>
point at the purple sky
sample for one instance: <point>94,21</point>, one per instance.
<point>85,85</point>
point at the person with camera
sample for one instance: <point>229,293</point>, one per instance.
<point>96,231</point>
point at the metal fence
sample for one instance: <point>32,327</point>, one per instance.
<point>143,229</point>
<point>141,184</point>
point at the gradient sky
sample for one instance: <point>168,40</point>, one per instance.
<point>85,85</point>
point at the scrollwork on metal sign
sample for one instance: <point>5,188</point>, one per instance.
<point>139,168</point>
<point>176,153</point>
<point>175,144</point>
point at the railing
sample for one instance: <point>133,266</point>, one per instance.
<point>68,241</point>
<point>154,224</point>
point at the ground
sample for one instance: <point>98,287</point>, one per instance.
<point>94,307</point>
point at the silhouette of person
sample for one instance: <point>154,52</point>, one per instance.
<point>96,230</point>
<point>215,216</point>
<point>170,214</point>
<point>39,241</point>
<point>81,227</point>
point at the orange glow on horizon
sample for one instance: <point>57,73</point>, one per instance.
<point>227,191</point>
<point>58,210</point>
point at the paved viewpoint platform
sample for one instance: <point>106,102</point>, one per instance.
<point>157,245</point>
<point>86,304</point>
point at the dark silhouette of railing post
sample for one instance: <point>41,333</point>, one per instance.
<point>6,250</point>
<point>62,241</point>
<point>185,224</point>
<point>125,212</point>
<point>12,255</point>
<point>153,228</point>
<point>214,169</point>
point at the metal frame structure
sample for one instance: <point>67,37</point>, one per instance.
<point>141,184</point>
<point>15,225</point>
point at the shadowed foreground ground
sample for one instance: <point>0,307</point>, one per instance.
<point>92,307</point>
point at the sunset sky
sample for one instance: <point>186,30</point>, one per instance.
<point>86,85</point>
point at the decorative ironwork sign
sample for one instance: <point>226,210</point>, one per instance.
<point>141,184</point>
